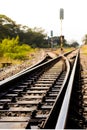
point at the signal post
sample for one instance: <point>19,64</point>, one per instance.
<point>61,36</point>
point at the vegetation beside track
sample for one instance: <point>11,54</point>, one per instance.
<point>84,49</point>
<point>18,42</point>
<point>11,52</point>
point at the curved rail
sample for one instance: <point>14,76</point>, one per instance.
<point>38,63</point>
<point>61,123</point>
<point>30,69</point>
<point>51,91</point>
<point>26,109</point>
<point>16,76</point>
<point>44,59</point>
<point>59,97</point>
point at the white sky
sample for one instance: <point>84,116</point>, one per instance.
<point>45,14</point>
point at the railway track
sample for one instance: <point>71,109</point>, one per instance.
<point>8,72</point>
<point>77,115</point>
<point>31,99</point>
<point>73,113</point>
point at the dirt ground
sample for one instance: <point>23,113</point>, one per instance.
<point>13,69</point>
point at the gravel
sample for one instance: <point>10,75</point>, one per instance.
<point>13,69</point>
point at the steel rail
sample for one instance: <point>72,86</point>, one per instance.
<point>42,61</point>
<point>61,122</point>
<point>29,69</point>
<point>4,85</point>
<point>38,63</point>
<point>59,96</point>
<point>40,67</point>
<point>10,123</point>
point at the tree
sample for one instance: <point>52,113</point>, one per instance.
<point>74,44</point>
<point>9,29</point>
<point>85,39</point>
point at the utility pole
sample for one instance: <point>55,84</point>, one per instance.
<point>61,18</point>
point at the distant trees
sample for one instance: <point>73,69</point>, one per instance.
<point>9,29</point>
<point>74,44</point>
<point>33,37</point>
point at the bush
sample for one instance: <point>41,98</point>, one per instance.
<point>11,48</point>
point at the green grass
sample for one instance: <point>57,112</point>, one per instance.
<point>11,50</point>
<point>84,49</point>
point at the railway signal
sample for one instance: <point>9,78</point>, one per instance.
<point>61,18</point>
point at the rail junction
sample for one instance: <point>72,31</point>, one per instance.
<point>46,96</point>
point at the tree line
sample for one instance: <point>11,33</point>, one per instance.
<point>33,37</point>
<point>9,29</point>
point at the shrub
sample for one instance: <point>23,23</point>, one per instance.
<point>11,48</point>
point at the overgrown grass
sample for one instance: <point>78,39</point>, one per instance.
<point>11,50</point>
<point>84,49</point>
